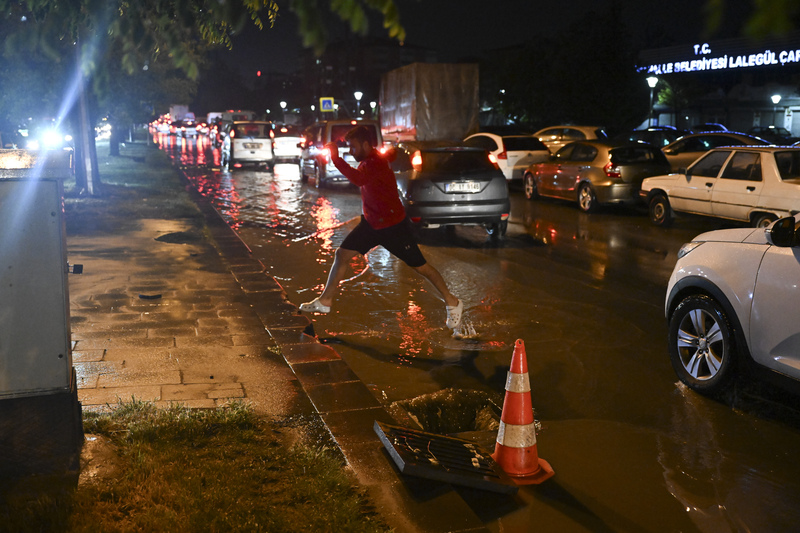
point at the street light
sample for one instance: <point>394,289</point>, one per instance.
<point>776,98</point>
<point>283,110</point>
<point>652,81</point>
<point>358,95</point>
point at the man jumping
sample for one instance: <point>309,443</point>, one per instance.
<point>383,223</point>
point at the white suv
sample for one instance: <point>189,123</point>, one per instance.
<point>731,301</point>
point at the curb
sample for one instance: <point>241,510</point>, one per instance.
<point>346,406</point>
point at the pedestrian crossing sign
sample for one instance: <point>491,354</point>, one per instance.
<point>326,104</point>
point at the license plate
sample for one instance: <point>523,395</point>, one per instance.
<point>462,186</point>
<point>252,146</point>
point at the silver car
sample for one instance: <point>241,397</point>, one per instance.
<point>451,185</point>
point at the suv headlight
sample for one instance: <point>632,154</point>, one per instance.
<point>688,247</point>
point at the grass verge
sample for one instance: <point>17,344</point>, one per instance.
<point>181,470</point>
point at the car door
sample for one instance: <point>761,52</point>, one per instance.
<point>775,317</point>
<point>569,173</point>
<point>737,190</point>
<point>691,191</point>
<point>548,171</point>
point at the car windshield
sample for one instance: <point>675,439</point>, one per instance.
<point>455,161</point>
<point>788,164</point>
<point>630,155</point>
<point>252,129</point>
<point>520,144</point>
<point>287,131</point>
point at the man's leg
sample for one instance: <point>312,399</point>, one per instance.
<point>341,259</point>
<point>436,279</point>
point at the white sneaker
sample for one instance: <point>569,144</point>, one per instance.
<point>454,315</point>
<point>314,306</point>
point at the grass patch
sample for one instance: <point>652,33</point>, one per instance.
<point>182,470</point>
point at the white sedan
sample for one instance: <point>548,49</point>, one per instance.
<point>754,184</point>
<point>732,301</point>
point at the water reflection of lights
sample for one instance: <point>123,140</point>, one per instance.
<point>326,218</point>
<point>413,334</point>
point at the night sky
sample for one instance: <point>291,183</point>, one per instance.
<point>468,27</point>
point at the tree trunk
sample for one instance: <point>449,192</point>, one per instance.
<point>85,149</point>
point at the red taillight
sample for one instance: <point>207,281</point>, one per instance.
<point>416,220</point>
<point>502,155</point>
<point>353,122</point>
<point>416,161</point>
<point>233,134</point>
<point>271,134</point>
<point>325,154</point>
<point>612,170</point>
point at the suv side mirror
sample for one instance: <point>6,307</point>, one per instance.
<point>782,233</point>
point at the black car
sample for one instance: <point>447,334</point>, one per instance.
<point>451,185</point>
<point>656,135</point>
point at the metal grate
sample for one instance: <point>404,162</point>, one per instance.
<point>442,458</point>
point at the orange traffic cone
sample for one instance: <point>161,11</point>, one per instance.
<point>515,450</point>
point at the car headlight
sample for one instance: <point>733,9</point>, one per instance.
<point>688,247</point>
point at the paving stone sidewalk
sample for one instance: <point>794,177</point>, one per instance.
<point>176,310</point>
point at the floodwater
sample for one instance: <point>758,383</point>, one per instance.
<point>633,450</point>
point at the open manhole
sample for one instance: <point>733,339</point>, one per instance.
<point>450,411</point>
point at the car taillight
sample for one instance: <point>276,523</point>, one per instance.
<point>612,170</point>
<point>233,134</point>
<point>493,161</point>
<point>502,155</point>
<point>416,161</point>
<point>326,154</point>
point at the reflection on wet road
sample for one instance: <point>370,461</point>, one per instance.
<point>632,450</point>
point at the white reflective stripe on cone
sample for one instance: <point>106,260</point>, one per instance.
<point>514,436</point>
<point>518,382</point>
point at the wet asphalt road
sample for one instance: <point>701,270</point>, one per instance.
<point>632,449</point>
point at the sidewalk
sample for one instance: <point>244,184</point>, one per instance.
<point>173,308</point>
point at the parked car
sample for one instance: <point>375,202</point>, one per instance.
<point>750,183</point>
<point>286,143</point>
<point>655,135</point>
<point>685,151</point>
<point>595,172</point>
<point>773,134</point>
<point>314,159</point>
<point>451,185</point>
<point>513,153</point>
<point>708,126</point>
<point>724,319</point>
<point>247,142</point>
<point>555,137</point>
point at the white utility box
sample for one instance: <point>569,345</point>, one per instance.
<point>35,356</point>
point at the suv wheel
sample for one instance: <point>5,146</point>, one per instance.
<point>701,344</point>
<point>529,186</point>
<point>587,200</point>
<point>660,210</point>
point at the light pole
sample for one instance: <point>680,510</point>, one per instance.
<point>372,106</point>
<point>652,81</point>
<point>776,98</point>
<point>283,110</point>
<point>358,95</point>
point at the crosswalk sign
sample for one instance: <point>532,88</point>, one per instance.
<point>326,104</point>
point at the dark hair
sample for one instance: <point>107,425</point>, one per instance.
<point>360,134</point>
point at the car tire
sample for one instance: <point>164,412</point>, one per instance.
<point>319,177</point>
<point>587,200</point>
<point>529,186</point>
<point>702,347</point>
<point>660,210</point>
<point>762,220</point>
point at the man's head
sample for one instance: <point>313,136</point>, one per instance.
<point>360,141</point>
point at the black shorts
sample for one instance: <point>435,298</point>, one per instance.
<point>398,239</point>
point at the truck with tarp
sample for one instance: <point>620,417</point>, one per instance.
<point>430,102</point>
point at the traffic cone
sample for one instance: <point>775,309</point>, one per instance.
<point>515,450</point>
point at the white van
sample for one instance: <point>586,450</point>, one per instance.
<point>313,158</point>
<point>247,142</point>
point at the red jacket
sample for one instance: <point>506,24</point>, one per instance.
<point>380,200</point>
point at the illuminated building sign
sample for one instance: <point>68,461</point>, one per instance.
<point>724,55</point>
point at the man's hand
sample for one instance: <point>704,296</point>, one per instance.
<point>333,149</point>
